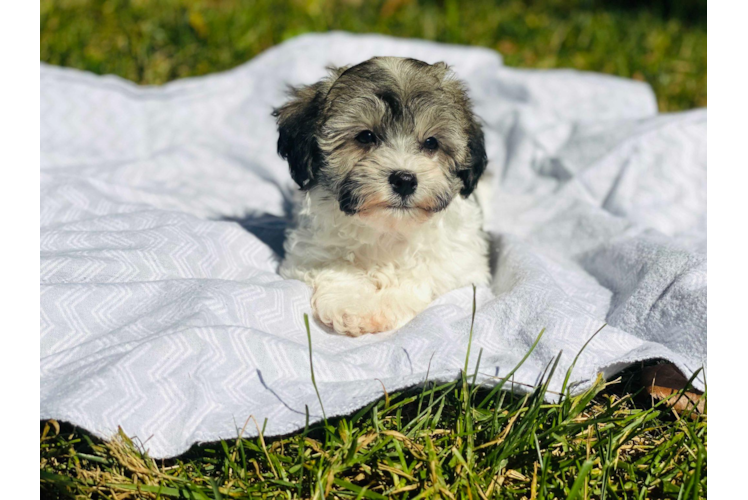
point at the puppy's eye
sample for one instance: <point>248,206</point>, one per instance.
<point>431,144</point>
<point>366,137</point>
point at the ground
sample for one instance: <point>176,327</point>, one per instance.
<point>450,440</point>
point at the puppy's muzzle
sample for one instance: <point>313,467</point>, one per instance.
<point>403,183</point>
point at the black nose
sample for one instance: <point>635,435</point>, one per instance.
<point>403,183</point>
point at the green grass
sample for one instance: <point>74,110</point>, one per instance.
<point>660,41</point>
<point>452,440</point>
<point>439,441</point>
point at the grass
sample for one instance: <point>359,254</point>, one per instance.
<point>660,41</point>
<point>452,440</point>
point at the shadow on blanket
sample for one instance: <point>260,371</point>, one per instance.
<point>270,229</point>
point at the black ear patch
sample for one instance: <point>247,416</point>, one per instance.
<point>298,121</point>
<point>477,160</point>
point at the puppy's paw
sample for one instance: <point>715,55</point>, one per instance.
<point>358,323</point>
<point>353,319</point>
<point>355,304</point>
<point>357,314</point>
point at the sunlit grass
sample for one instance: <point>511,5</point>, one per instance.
<point>439,440</point>
<point>662,42</point>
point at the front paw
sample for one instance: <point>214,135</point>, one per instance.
<point>356,316</point>
<point>350,319</point>
<point>354,323</point>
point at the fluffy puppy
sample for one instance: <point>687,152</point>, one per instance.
<point>387,154</point>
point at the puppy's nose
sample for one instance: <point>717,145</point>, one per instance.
<point>403,183</point>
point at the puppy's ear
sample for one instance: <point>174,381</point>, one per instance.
<point>297,127</point>
<point>298,124</point>
<point>476,161</point>
<point>475,158</point>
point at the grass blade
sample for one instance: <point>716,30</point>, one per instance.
<point>311,366</point>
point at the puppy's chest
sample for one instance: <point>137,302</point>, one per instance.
<point>447,252</point>
<point>412,255</point>
<point>392,253</point>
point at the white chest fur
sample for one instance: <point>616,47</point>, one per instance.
<point>369,278</point>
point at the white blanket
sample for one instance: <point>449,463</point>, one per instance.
<point>162,218</point>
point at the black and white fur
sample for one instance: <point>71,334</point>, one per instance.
<point>387,154</point>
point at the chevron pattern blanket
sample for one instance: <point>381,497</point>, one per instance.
<point>162,219</point>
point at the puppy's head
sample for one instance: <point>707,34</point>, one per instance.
<point>391,140</point>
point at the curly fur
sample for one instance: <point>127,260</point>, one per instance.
<point>387,154</point>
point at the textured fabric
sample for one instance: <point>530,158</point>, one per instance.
<point>162,219</point>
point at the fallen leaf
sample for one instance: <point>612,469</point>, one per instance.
<point>665,381</point>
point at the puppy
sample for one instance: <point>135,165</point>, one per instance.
<point>387,154</point>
